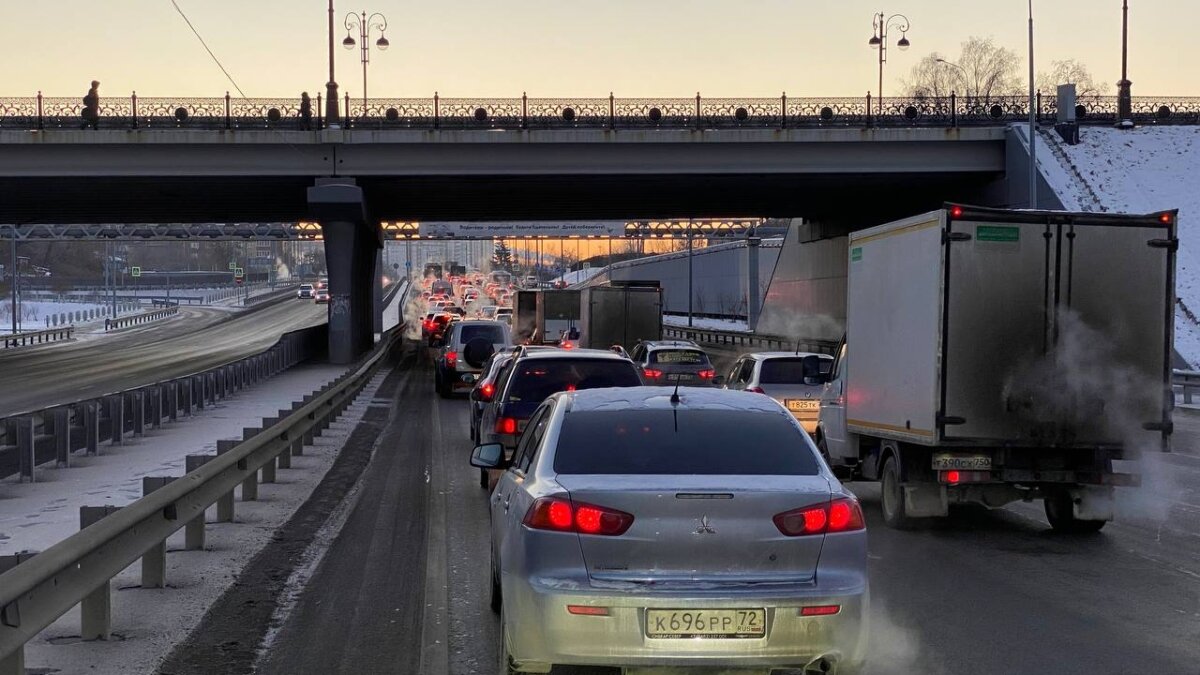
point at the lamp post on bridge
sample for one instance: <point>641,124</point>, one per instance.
<point>364,26</point>
<point>1124,92</point>
<point>879,41</point>
<point>331,87</point>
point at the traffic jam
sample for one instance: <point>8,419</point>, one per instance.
<point>623,531</point>
<point>656,504</point>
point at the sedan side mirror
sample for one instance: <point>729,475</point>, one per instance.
<point>488,456</point>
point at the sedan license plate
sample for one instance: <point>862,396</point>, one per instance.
<point>680,377</point>
<point>944,462</point>
<point>711,624</point>
<point>802,405</point>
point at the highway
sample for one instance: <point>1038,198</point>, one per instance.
<point>402,588</point>
<point>197,339</point>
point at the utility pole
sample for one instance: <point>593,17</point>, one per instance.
<point>1033,182</point>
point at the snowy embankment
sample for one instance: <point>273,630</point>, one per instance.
<point>1140,171</point>
<point>676,321</point>
<point>579,276</point>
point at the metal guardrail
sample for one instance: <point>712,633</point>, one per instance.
<point>137,319</point>
<point>37,590</point>
<point>36,337</point>
<point>283,292</point>
<point>735,339</point>
<point>39,112</point>
<point>1186,381</point>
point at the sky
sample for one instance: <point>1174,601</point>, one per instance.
<point>476,48</point>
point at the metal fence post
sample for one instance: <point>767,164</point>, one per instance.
<point>61,418</point>
<point>612,112</point>
<point>133,109</point>
<point>173,400</point>
<point>95,611</point>
<point>698,125</point>
<point>225,504</point>
<point>40,122</point>
<point>783,110</point>
<point>91,427</point>
<point>524,110</point>
<point>154,561</point>
<point>437,114</point>
<point>320,114</point>
<point>189,394</point>
<point>156,407</point>
<point>228,124</point>
<point>138,401</point>
<point>116,418</point>
<point>193,534</point>
<point>868,109</point>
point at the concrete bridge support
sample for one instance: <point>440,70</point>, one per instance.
<point>350,257</point>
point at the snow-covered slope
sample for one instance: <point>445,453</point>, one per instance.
<point>1139,171</point>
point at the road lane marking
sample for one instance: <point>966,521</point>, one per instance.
<point>435,648</point>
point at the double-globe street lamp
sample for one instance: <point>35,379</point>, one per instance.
<point>364,26</point>
<point>880,23</point>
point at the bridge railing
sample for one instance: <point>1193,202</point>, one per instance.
<point>133,112</point>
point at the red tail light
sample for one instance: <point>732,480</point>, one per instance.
<point>562,515</point>
<point>506,425</point>
<point>708,374</point>
<point>451,359</point>
<point>755,390</point>
<point>486,391</point>
<point>839,515</point>
<point>820,610</point>
<point>652,373</point>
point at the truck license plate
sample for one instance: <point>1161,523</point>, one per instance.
<point>712,624</point>
<point>801,405</point>
<point>944,462</point>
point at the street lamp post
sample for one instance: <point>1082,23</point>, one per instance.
<point>364,26</point>
<point>880,24</point>
<point>331,87</point>
<point>1124,92</point>
<point>1033,183</point>
<point>966,80</point>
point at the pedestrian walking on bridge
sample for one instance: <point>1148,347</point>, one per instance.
<point>305,111</point>
<point>91,107</point>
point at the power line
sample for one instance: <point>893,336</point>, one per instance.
<point>210,52</point>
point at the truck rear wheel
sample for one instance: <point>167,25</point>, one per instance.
<point>1061,514</point>
<point>892,496</point>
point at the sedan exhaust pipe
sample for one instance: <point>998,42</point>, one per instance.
<point>819,666</point>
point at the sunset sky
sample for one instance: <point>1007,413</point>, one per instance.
<point>276,48</point>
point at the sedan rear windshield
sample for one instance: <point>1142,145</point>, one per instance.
<point>535,379</point>
<point>492,333</point>
<point>686,442</point>
<point>684,357</point>
<point>788,371</point>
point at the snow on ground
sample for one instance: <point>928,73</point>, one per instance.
<point>147,623</point>
<point>1140,171</point>
<point>706,324</point>
<point>34,313</point>
<point>35,516</point>
<point>579,276</point>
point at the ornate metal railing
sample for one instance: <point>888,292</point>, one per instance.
<point>132,112</point>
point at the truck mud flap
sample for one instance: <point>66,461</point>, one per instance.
<point>923,500</point>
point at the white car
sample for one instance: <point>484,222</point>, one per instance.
<point>305,292</point>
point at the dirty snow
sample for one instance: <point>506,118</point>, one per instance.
<point>1140,171</point>
<point>738,325</point>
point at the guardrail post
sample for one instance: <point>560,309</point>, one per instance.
<point>61,430</point>
<point>225,504</point>
<point>173,400</point>
<point>95,610</point>
<point>156,407</point>
<point>285,457</point>
<point>250,484</point>
<point>13,664</point>
<point>193,533</point>
<point>138,400</point>
<point>154,560</point>
<point>116,418</point>
<point>26,448</point>
<point>89,413</point>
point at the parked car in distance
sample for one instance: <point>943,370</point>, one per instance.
<point>651,527</point>
<point>464,348</point>
<point>792,378</point>
<point>671,362</point>
<point>305,292</point>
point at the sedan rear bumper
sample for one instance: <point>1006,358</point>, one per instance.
<point>541,631</point>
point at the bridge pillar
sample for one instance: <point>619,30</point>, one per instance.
<point>350,256</point>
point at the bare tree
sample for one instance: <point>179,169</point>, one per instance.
<point>1069,71</point>
<point>983,71</point>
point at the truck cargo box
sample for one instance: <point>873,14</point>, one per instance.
<point>619,316</point>
<point>979,327</point>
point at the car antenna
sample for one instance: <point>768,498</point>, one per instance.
<point>675,395</point>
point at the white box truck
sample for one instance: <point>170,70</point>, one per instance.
<point>995,355</point>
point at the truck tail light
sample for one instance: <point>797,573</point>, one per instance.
<point>506,425</point>
<point>562,515</point>
<point>956,476</point>
<point>840,515</point>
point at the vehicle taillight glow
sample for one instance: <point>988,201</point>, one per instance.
<point>956,212</point>
<point>587,610</point>
<point>486,391</point>
<point>451,359</point>
<point>652,373</point>
<point>755,390</point>
<point>820,610</point>
<point>1164,218</point>
<point>708,374</point>
<point>839,515</point>
<point>953,476</point>
<point>506,425</point>
<point>555,513</point>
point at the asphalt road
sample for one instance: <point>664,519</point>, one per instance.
<point>197,339</point>
<point>981,592</point>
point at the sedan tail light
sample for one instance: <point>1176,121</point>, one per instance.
<point>707,374</point>
<point>506,425</point>
<point>563,515</point>
<point>840,515</point>
<point>652,373</point>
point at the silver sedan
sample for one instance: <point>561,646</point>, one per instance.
<point>641,527</point>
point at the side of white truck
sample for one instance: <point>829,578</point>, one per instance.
<point>997,355</point>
